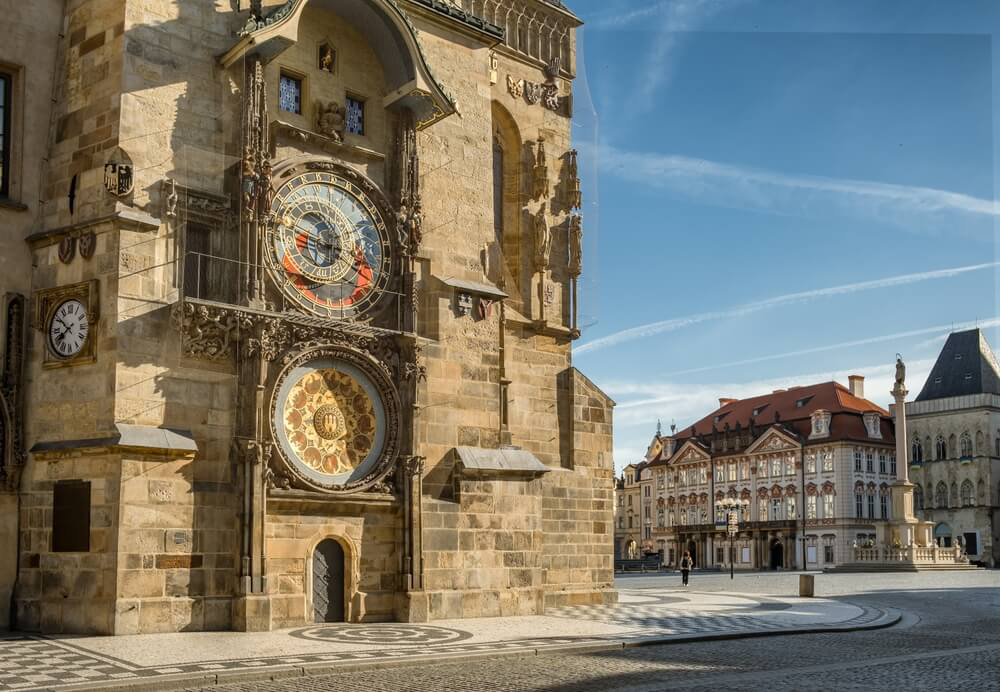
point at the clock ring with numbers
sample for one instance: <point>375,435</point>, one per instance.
<point>330,251</point>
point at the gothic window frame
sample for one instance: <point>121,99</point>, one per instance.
<point>965,446</point>
<point>941,495</point>
<point>967,494</point>
<point>361,102</point>
<point>918,497</point>
<point>298,78</point>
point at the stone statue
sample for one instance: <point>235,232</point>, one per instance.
<point>331,120</point>
<point>900,371</point>
<point>575,245</point>
<point>543,239</point>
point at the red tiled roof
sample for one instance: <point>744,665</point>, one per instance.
<point>829,396</point>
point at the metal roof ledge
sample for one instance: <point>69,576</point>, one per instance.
<point>505,462</point>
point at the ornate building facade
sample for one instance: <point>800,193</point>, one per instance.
<point>955,447</point>
<point>289,293</point>
<point>809,468</point>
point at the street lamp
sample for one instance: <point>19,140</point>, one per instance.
<point>731,506</point>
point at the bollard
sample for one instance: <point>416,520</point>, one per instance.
<point>807,585</point>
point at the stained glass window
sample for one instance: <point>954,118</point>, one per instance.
<point>290,94</point>
<point>355,116</point>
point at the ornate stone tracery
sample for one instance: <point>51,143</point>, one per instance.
<point>11,393</point>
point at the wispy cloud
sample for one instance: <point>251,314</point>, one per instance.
<point>653,328</point>
<point>671,20</point>
<point>941,330</point>
<point>726,184</point>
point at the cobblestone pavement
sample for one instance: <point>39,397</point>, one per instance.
<point>33,662</point>
<point>949,639</point>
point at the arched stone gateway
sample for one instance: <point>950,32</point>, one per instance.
<point>328,582</point>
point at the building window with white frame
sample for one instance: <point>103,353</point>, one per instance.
<point>892,464</point>
<point>870,462</point>
<point>884,506</point>
<point>811,462</point>
<point>775,467</point>
<point>827,461</point>
<point>859,505</point>
<point>790,507</point>
<point>776,509</point>
<point>828,506</point>
<point>811,507</point>
<point>720,474</point>
<point>858,459</point>
<point>871,505</point>
<point>790,465</point>
<point>355,115</point>
<point>828,553</point>
<point>745,470</point>
<point>882,462</point>
<point>732,471</point>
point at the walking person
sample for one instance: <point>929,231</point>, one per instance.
<point>686,564</point>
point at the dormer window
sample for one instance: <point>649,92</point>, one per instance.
<point>820,424</point>
<point>757,411</point>
<point>802,402</point>
<point>873,425</point>
<point>958,356</point>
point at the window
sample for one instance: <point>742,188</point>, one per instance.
<point>790,466</point>
<point>621,500</point>
<point>776,509</point>
<point>940,448</point>
<point>871,506</point>
<point>5,134</point>
<point>630,524</point>
<point>645,491</point>
<point>629,500</point>
<point>703,475</point>
<point>918,450</point>
<point>828,506</point>
<point>967,497</point>
<point>966,445</point>
<point>355,116</point>
<point>720,555</point>
<point>628,479</point>
<point>775,467</point>
<point>498,186</point>
<point>892,464</point>
<point>870,462</point>
<point>659,480</point>
<point>790,507</point>
<point>745,469</point>
<point>881,463</point>
<point>659,519</point>
<point>811,462</point>
<point>857,460</point>
<point>859,506</point>
<point>827,553</point>
<point>941,495</point>
<point>811,507</point>
<point>732,472</point>
<point>720,474</point>
<point>918,497</point>
<point>290,94</point>
<point>761,509</point>
<point>649,532</point>
<point>828,461</point>
<point>621,522</point>
<point>884,506</point>
<point>71,517</point>
<point>954,495</point>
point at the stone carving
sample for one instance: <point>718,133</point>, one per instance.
<point>409,217</point>
<point>552,68</point>
<point>550,294</point>
<point>540,172</point>
<point>550,96</point>
<point>494,66</point>
<point>331,119</point>
<point>67,249</point>
<point>900,371</point>
<point>327,58</point>
<point>532,92</point>
<point>12,455</point>
<point>574,192</point>
<point>170,204</point>
<point>413,466</point>
<point>515,87</point>
<point>118,177</point>
<point>256,22</point>
<point>207,332</point>
<point>575,264</point>
<point>88,244</point>
<point>543,239</point>
<point>256,165</point>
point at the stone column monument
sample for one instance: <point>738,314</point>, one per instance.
<point>905,530</point>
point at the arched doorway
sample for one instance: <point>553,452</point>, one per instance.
<point>777,554</point>
<point>942,535</point>
<point>328,582</point>
<point>693,549</point>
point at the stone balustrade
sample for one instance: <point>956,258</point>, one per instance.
<point>911,554</point>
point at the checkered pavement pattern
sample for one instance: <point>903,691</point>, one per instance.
<point>30,663</point>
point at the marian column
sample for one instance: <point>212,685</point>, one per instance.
<point>904,528</point>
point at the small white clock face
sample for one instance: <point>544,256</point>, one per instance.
<point>68,329</point>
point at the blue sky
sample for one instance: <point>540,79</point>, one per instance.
<point>781,192</point>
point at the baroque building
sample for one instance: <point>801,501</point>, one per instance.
<point>809,467</point>
<point>955,447</point>
<point>289,294</point>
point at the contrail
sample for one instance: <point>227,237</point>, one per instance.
<point>653,328</point>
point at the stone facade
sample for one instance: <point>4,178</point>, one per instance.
<point>954,431</point>
<point>809,469</point>
<point>176,128</point>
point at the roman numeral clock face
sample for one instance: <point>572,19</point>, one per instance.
<point>68,329</point>
<point>329,248</point>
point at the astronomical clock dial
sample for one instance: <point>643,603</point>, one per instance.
<point>330,421</point>
<point>68,328</point>
<point>329,250</point>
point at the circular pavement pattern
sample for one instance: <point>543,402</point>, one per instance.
<point>383,635</point>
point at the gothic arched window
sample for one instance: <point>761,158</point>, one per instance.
<point>941,495</point>
<point>967,498</point>
<point>940,448</point>
<point>498,190</point>
<point>953,497</point>
<point>952,446</point>
<point>965,445</point>
<point>918,450</point>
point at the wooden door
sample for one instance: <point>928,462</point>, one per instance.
<point>328,582</point>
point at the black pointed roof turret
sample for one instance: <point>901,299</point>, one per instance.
<point>966,365</point>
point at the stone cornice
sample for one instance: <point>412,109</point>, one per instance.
<point>123,215</point>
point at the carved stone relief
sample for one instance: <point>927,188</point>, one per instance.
<point>540,172</point>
